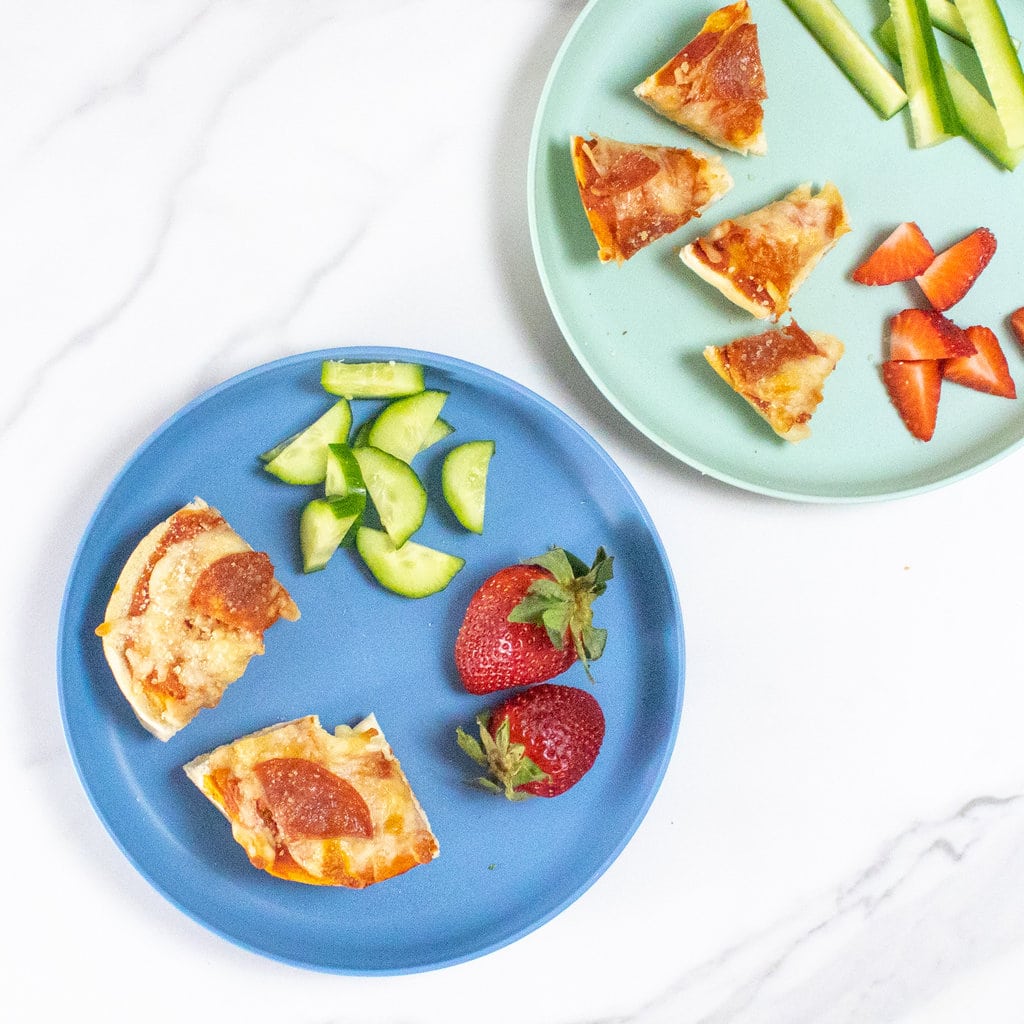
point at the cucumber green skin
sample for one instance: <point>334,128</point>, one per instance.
<point>411,570</point>
<point>402,426</point>
<point>1000,63</point>
<point>979,121</point>
<point>841,41</point>
<point>304,459</point>
<point>343,473</point>
<point>395,490</point>
<point>323,526</point>
<point>371,380</point>
<point>464,482</point>
<point>933,116</point>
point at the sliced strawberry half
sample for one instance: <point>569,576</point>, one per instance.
<point>903,255</point>
<point>926,334</point>
<point>914,387</point>
<point>986,370</point>
<point>955,269</point>
<point>1017,323</point>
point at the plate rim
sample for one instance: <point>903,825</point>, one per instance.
<point>703,467</point>
<point>482,375</point>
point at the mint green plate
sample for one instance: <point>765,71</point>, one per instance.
<point>638,329</point>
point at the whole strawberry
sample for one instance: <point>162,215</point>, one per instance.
<point>539,741</point>
<point>532,621</point>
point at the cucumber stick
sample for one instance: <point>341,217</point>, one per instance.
<point>370,380</point>
<point>412,569</point>
<point>464,482</point>
<point>979,121</point>
<point>999,62</point>
<point>303,459</point>
<point>395,490</point>
<point>847,48</point>
<point>933,116</point>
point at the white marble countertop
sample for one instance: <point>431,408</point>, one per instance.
<point>195,187</point>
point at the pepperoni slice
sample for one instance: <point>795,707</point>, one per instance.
<point>309,802</point>
<point>239,590</point>
<point>185,524</point>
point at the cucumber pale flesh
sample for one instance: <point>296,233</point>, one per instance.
<point>304,459</point>
<point>464,482</point>
<point>395,490</point>
<point>372,379</point>
<point>411,570</point>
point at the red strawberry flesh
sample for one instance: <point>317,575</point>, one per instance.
<point>954,271</point>
<point>539,741</point>
<point>900,257</point>
<point>914,387</point>
<point>986,370</point>
<point>530,622</point>
<point>492,653</point>
<point>1017,323</point>
<point>926,334</point>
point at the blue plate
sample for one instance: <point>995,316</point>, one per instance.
<point>504,868</point>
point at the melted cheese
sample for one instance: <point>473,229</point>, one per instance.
<point>401,837</point>
<point>634,194</point>
<point>781,374</point>
<point>715,86</point>
<point>760,259</point>
<point>170,659</point>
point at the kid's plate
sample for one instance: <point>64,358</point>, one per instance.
<point>639,329</point>
<point>503,868</point>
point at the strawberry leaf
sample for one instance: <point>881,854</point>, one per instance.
<point>507,765</point>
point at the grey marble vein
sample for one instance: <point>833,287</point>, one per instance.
<point>258,64</point>
<point>878,946</point>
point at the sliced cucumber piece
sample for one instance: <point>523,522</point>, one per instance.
<point>395,490</point>
<point>402,426</point>
<point>343,475</point>
<point>303,460</point>
<point>371,380</point>
<point>979,121</point>
<point>411,570</point>
<point>848,50</point>
<point>999,62</point>
<point>933,115</point>
<point>464,482</point>
<point>323,526</point>
<point>361,437</point>
<point>271,453</point>
<point>438,431</point>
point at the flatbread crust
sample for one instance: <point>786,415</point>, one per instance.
<point>781,374</point>
<point>186,615</point>
<point>759,260</point>
<point>715,85</point>
<point>313,807</point>
<point>634,193</point>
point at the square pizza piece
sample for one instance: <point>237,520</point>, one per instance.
<point>634,194</point>
<point>781,374</point>
<point>310,806</point>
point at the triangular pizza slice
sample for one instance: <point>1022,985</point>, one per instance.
<point>715,85</point>
<point>760,259</point>
<point>634,194</point>
<point>780,372</point>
